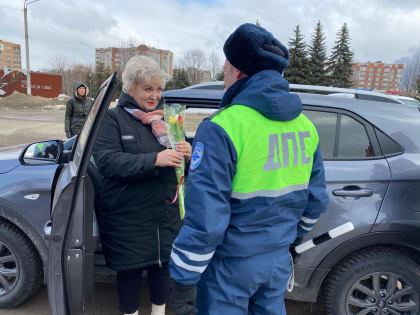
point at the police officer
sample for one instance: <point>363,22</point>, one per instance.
<point>256,183</point>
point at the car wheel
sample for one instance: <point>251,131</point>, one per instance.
<point>21,272</point>
<point>375,281</point>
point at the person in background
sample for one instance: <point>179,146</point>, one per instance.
<point>137,221</point>
<point>256,182</point>
<point>77,109</point>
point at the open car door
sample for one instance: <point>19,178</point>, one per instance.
<point>74,235</point>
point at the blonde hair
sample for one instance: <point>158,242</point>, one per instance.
<point>140,68</point>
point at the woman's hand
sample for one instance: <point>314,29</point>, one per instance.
<point>168,157</point>
<point>184,148</point>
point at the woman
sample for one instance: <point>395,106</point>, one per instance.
<point>77,109</point>
<point>137,221</point>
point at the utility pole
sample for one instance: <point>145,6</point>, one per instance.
<point>28,67</point>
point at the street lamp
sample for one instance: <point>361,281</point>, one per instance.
<point>28,67</point>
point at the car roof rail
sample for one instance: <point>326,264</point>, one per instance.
<point>358,94</point>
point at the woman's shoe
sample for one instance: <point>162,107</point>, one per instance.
<point>158,309</point>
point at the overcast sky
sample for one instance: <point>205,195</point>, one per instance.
<point>386,30</point>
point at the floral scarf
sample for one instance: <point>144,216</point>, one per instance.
<point>154,119</point>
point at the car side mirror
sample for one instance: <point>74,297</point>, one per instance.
<point>42,153</point>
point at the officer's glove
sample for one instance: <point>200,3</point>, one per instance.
<point>182,299</point>
<point>296,242</point>
<point>68,134</point>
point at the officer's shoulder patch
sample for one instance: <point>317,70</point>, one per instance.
<point>197,155</point>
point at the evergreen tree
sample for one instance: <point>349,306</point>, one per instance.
<point>318,57</point>
<point>179,80</point>
<point>418,86</point>
<point>101,74</point>
<point>340,61</point>
<point>298,70</point>
<point>220,76</point>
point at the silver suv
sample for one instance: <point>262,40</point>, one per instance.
<point>371,152</point>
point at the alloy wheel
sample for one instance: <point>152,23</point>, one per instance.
<point>9,269</point>
<point>382,293</point>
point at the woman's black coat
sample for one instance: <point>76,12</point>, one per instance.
<point>137,225</point>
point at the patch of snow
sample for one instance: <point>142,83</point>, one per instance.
<point>55,107</point>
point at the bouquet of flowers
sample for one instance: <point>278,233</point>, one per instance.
<point>174,118</point>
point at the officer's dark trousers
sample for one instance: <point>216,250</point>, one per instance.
<point>253,285</point>
<point>129,284</point>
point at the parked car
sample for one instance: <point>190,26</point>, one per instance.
<point>372,163</point>
<point>211,85</point>
<point>332,91</point>
<point>408,100</point>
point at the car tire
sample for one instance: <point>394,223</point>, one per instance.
<point>21,273</point>
<point>374,281</point>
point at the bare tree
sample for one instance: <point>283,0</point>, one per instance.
<point>59,64</point>
<point>411,75</point>
<point>214,64</point>
<point>193,62</point>
<point>70,72</point>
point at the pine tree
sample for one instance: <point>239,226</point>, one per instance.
<point>178,81</point>
<point>418,86</point>
<point>220,76</point>
<point>298,70</point>
<point>318,57</point>
<point>101,74</point>
<point>340,61</point>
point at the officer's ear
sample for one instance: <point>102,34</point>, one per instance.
<point>240,74</point>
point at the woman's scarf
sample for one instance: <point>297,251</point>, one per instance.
<point>154,119</point>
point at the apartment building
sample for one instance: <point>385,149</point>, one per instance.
<point>10,56</point>
<point>115,58</point>
<point>377,75</point>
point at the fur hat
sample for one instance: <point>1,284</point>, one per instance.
<point>251,49</point>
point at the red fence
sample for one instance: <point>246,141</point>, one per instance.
<point>42,84</point>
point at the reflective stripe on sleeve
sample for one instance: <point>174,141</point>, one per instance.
<point>305,227</point>
<point>308,221</point>
<point>177,260</point>
<point>194,256</point>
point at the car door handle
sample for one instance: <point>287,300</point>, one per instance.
<point>47,230</point>
<point>353,191</point>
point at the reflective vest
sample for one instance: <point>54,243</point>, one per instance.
<point>274,157</point>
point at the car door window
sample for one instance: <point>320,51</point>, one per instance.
<point>389,146</point>
<point>341,136</point>
<point>326,124</point>
<point>353,142</point>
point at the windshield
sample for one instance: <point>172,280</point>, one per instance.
<point>412,102</point>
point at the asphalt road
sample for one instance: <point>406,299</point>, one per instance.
<point>106,303</point>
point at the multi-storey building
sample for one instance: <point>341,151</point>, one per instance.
<point>377,75</point>
<point>10,56</point>
<point>115,58</point>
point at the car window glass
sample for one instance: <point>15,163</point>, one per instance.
<point>389,147</point>
<point>326,124</point>
<point>353,141</point>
